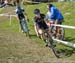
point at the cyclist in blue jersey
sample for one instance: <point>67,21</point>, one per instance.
<point>56,17</point>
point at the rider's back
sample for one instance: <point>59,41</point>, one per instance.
<point>40,18</point>
<point>19,12</point>
<point>40,21</point>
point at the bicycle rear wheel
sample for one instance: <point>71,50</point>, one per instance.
<point>62,34</point>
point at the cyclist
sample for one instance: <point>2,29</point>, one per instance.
<point>39,23</point>
<point>55,18</point>
<point>20,13</point>
<point>47,18</point>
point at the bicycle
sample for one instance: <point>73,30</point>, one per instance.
<point>61,33</point>
<point>24,27</point>
<point>47,37</point>
<point>53,31</point>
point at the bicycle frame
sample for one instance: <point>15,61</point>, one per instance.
<point>49,42</point>
<point>24,26</point>
<point>53,31</point>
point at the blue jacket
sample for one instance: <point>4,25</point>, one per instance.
<point>55,14</point>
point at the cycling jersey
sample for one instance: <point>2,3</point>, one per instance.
<point>55,14</point>
<point>19,12</point>
<point>40,21</point>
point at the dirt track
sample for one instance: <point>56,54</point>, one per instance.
<point>15,48</point>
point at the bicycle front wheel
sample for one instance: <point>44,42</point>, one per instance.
<point>52,46</point>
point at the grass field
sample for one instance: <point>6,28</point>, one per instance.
<point>16,48</point>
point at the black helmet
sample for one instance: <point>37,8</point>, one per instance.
<point>50,5</point>
<point>36,11</point>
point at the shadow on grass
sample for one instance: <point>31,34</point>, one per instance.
<point>69,39</point>
<point>66,52</point>
<point>63,52</point>
<point>33,36</point>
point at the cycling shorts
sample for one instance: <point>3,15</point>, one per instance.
<point>41,25</point>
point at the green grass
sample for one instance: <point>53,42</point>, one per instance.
<point>11,33</point>
<point>68,12</point>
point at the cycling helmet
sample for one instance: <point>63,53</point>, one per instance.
<point>36,11</point>
<point>50,5</point>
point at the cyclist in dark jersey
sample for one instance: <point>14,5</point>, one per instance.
<point>39,22</point>
<point>22,18</point>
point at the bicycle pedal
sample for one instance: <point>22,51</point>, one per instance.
<point>54,45</point>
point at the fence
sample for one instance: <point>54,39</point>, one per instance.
<point>59,41</point>
<point>10,16</point>
<point>65,42</point>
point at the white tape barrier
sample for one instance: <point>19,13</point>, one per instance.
<point>65,26</point>
<point>65,42</point>
<point>59,41</point>
<point>7,15</point>
<point>10,18</point>
<point>10,12</point>
<point>32,2</point>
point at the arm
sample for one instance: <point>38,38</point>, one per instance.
<point>52,13</point>
<point>26,17</point>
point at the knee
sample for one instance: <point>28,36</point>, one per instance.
<point>40,31</point>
